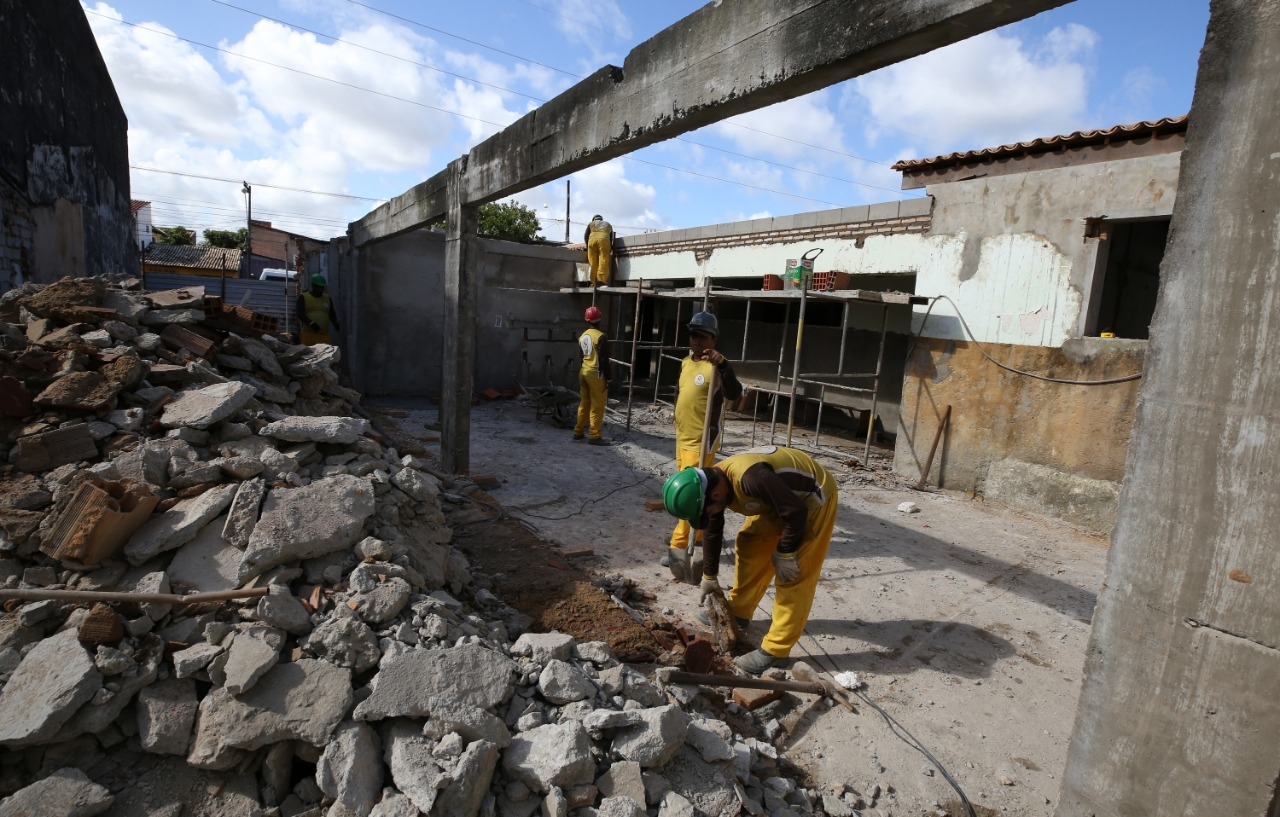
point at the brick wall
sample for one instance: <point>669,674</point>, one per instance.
<point>16,234</point>
<point>887,226</point>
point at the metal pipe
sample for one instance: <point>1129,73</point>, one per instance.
<point>844,334</point>
<point>777,385</point>
<point>884,324</point>
<point>161,598</point>
<point>635,339</point>
<point>795,361</point>
<point>817,429</point>
<point>746,327</point>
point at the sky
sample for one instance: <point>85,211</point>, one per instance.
<point>327,108</point>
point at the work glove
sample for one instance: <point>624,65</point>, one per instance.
<point>786,568</point>
<point>709,585</point>
<point>713,357</point>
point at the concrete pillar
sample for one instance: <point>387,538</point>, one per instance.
<point>459,336</point>
<point>1180,709</point>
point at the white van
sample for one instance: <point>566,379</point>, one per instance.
<point>278,275</point>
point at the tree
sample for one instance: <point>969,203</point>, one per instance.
<point>509,221</point>
<point>227,239</point>
<point>174,235</point>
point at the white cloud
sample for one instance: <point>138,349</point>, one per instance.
<point>597,25</point>
<point>626,204</point>
<point>988,90</point>
<point>799,124</point>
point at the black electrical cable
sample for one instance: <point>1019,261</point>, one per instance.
<point>916,336</point>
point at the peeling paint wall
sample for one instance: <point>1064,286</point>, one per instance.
<point>1010,251</point>
<point>63,147</point>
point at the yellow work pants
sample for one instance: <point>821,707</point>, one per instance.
<point>600,258</point>
<point>591,387</point>
<point>680,536</point>
<point>311,338</point>
<point>753,572</point>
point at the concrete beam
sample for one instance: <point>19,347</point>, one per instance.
<point>1178,714</point>
<point>724,59</point>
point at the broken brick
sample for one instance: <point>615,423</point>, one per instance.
<point>753,699</point>
<point>101,626</point>
<point>49,449</point>
<point>98,520</point>
<point>15,400</point>
<point>181,338</point>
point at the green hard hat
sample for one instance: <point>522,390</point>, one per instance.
<point>318,281</point>
<point>684,495</point>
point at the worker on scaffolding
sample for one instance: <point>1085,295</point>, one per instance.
<point>702,367</point>
<point>315,313</point>
<point>790,503</point>
<point>599,239</point>
<point>593,379</point>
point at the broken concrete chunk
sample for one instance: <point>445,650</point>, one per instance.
<point>258,352</point>
<point>562,683</point>
<point>193,659</point>
<point>201,408</point>
<point>239,468</point>
<point>543,647</point>
<point>68,792</point>
<point>350,769</point>
<point>303,700</point>
<point>166,712</point>
<point>342,430</point>
<point>249,658</point>
<point>623,779</point>
<point>178,525</point>
<point>345,641</point>
<point>266,391</point>
<point>324,517</point>
<point>243,516</point>
<point>101,712</point>
<point>206,564</point>
<point>46,689</point>
<point>469,780</point>
<point>469,674</point>
<point>281,609</point>
<point>557,754</point>
<point>383,602</point>
<point>620,807</point>
<point>711,739</point>
<point>471,722</point>
<point>416,484</point>
<point>651,737</point>
<point>412,764</point>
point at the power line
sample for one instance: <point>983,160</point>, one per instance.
<point>338,39</point>
<point>254,184</point>
<point>464,39</point>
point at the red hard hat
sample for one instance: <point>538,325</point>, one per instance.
<point>593,315</point>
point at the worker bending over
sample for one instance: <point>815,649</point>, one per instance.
<point>599,238</point>
<point>692,393</point>
<point>593,378</point>
<point>790,504</point>
<point>316,313</point>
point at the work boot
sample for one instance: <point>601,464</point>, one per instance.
<point>665,561</point>
<point>743,623</point>
<point>579,437</point>
<point>676,562</point>
<point>599,441</point>
<point>757,661</point>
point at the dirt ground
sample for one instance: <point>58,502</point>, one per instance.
<point>968,623</point>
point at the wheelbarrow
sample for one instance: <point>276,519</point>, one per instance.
<point>555,402</point>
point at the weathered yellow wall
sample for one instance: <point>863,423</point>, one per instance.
<point>1048,447</point>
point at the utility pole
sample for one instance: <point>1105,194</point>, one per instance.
<point>248,232</point>
<point>566,211</point>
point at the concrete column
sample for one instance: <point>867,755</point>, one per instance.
<point>1180,709</point>
<point>459,336</point>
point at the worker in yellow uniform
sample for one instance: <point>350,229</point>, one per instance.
<point>790,504</point>
<point>316,313</point>
<point>692,393</point>
<point>593,379</point>
<point>599,239</point>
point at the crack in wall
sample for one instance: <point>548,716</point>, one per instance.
<point>1194,624</point>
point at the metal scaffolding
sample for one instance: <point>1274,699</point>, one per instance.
<point>784,386</point>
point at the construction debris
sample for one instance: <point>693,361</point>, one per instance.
<point>281,626</point>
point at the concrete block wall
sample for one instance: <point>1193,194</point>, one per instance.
<point>17,231</point>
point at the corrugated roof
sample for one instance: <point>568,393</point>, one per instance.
<point>1090,138</point>
<point>200,256</point>
<point>135,205</point>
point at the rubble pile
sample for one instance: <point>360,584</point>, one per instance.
<point>360,669</point>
